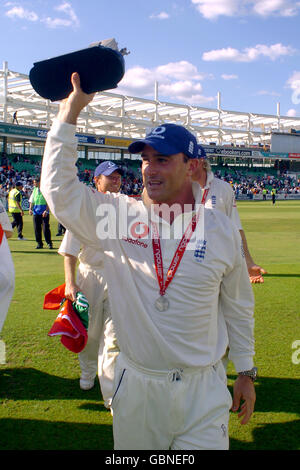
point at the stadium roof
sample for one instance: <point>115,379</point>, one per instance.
<point>125,116</point>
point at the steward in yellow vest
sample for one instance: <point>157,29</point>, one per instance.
<point>15,208</point>
<point>15,201</point>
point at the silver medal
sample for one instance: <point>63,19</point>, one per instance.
<point>162,304</point>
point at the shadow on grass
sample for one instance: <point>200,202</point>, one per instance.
<point>273,436</point>
<point>274,395</point>
<point>281,275</point>
<point>44,251</point>
<point>32,384</point>
<point>26,434</point>
<point>31,434</point>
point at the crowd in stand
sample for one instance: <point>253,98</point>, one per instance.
<point>243,181</point>
<point>249,184</point>
<point>131,182</point>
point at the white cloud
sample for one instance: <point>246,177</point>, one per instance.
<point>267,93</point>
<point>248,54</point>
<point>21,13</point>
<point>294,84</point>
<point>291,112</point>
<point>70,20</point>
<point>212,9</point>
<point>229,77</point>
<point>179,81</point>
<point>179,70</point>
<point>294,81</point>
<point>276,7</point>
<point>69,11</point>
<point>160,16</point>
<point>54,23</point>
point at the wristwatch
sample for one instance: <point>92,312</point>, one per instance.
<point>252,373</point>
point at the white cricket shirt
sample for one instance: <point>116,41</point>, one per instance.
<point>87,256</point>
<point>212,277</point>
<point>221,196</point>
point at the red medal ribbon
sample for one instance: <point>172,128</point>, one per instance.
<point>204,197</point>
<point>158,260</point>
<point>1,233</point>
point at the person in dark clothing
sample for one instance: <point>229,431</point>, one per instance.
<point>60,230</point>
<point>40,211</point>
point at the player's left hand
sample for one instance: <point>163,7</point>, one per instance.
<point>256,274</point>
<point>243,389</point>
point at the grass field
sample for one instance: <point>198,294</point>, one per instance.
<point>41,405</point>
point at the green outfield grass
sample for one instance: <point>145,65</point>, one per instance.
<point>41,404</point>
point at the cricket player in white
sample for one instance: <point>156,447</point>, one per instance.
<point>170,385</point>
<point>101,350</point>
<point>7,272</point>
<point>221,196</point>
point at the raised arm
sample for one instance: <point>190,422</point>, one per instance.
<point>72,203</point>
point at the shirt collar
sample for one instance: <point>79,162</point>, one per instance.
<point>210,176</point>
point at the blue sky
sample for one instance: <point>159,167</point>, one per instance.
<point>248,50</point>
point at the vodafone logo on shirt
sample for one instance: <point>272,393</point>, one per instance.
<point>139,230</point>
<point>135,242</point>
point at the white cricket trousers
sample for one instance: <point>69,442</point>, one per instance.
<point>177,409</point>
<point>101,350</point>
<point>7,280</point>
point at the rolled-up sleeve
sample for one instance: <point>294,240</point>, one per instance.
<point>70,245</point>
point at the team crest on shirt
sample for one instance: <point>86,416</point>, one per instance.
<point>200,250</point>
<point>213,201</point>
